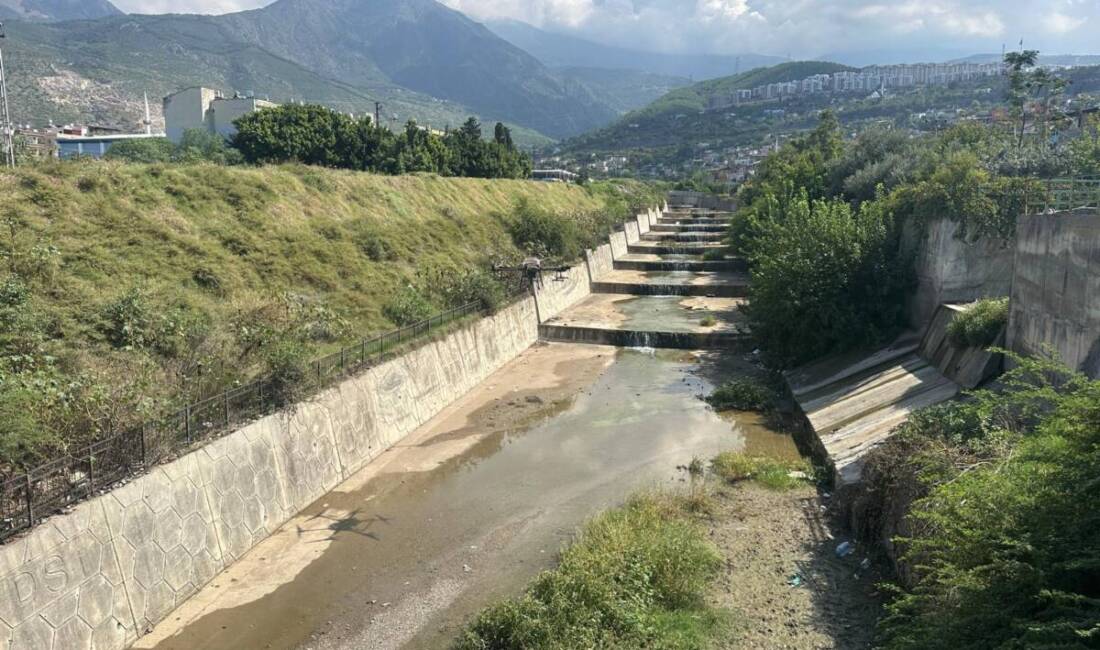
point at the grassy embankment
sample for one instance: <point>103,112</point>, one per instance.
<point>129,290</point>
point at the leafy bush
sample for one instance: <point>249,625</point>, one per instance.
<point>286,367</point>
<point>476,286</point>
<point>129,321</point>
<point>770,472</point>
<point>407,307</point>
<point>545,233</point>
<point>980,325</point>
<point>23,440</point>
<point>142,150</point>
<point>742,395</point>
<point>1006,544</point>
<point>635,578</point>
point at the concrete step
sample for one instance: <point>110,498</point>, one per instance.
<point>664,227</point>
<point>684,236</point>
<point>848,447</point>
<point>645,262</point>
<point>644,339</point>
<point>651,321</point>
<point>663,221</point>
<point>672,248</point>
<point>890,386</point>
<point>642,283</point>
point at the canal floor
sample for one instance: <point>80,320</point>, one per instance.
<point>472,505</point>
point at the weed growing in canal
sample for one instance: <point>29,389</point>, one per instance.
<point>770,472</point>
<point>698,500</point>
<point>635,578</point>
<point>742,395</point>
<point>708,321</point>
<point>979,326</point>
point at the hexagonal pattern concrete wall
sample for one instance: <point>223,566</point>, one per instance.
<point>103,574</point>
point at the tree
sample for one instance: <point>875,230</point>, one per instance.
<point>1020,85</point>
<point>824,278</point>
<point>141,150</point>
<point>200,145</point>
<point>309,134</point>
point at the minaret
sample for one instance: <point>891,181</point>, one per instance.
<point>148,119</point>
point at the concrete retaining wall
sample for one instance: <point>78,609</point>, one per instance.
<point>111,568</point>
<point>643,223</point>
<point>600,261</point>
<point>560,291</point>
<point>950,270</point>
<point>618,244</point>
<point>1056,288</point>
<point>632,234</point>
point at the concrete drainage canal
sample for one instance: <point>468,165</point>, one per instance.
<point>467,509</point>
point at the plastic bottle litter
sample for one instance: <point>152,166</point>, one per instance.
<point>845,549</point>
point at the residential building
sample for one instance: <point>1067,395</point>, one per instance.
<point>208,110</point>
<point>39,143</point>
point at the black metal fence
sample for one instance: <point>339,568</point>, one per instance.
<point>66,480</point>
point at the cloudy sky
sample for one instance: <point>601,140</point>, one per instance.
<point>800,28</point>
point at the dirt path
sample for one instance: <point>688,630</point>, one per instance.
<point>767,537</point>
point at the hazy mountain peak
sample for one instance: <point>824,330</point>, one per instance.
<point>56,10</point>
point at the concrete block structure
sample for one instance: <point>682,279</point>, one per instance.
<point>208,110</point>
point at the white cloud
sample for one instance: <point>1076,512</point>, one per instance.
<point>187,6</point>
<point>800,28</point>
<point>1060,23</point>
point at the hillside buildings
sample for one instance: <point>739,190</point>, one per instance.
<point>207,109</point>
<point>868,80</point>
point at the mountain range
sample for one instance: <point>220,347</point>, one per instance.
<point>83,60</point>
<point>53,10</point>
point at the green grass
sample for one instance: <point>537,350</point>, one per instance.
<point>129,290</point>
<point>980,325</point>
<point>772,473</point>
<point>708,321</point>
<point>635,577</point>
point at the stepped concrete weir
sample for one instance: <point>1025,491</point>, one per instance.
<point>661,293</point>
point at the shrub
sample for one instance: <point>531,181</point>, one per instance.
<point>770,472</point>
<point>23,440</point>
<point>407,307</point>
<point>544,233</point>
<point>980,325</point>
<point>742,395</point>
<point>1007,545</point>
<point>476,286</point>
<point>287,371</point>
<point>635,577</point>
<point>128,321</point>
<point>708,321</point>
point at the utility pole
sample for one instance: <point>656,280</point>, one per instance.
<point>9,131</point>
